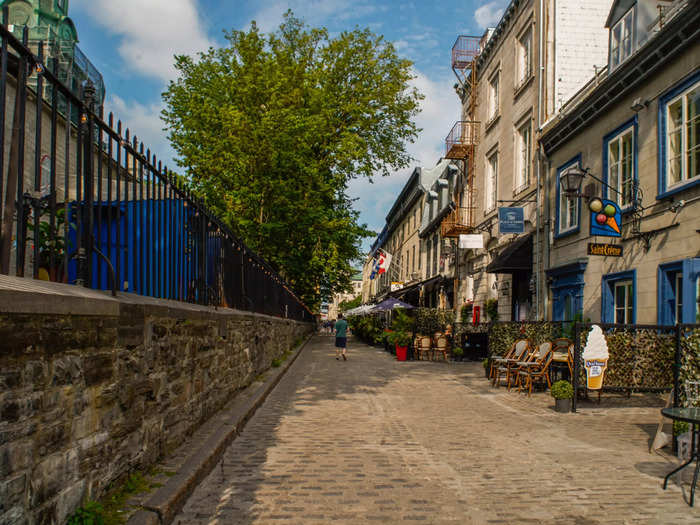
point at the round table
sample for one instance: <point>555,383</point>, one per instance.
<point>692,416</point>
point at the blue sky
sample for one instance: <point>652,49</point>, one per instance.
<point>132,43</point>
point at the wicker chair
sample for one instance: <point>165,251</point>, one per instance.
<point>503,365</point>
<point>424,347</point>
<point>537,369</point>
<point>440,347</point>
<point>497,360</point>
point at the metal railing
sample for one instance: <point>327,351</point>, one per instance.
<point>463,135</point>
<point>84,202</point>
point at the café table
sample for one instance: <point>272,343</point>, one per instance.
<point>691,416</point>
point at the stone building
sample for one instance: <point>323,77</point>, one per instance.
<point>333,306</point>
<point>630,136</point>
<point>512,80</point>
<point>419,266</point>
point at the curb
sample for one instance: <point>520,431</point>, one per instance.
<point>162,507</point>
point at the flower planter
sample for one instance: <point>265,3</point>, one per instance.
<point>401,352</point>
<point>562,405</point>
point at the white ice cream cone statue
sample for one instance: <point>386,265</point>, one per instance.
<point>595,358</point>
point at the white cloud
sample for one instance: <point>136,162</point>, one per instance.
<point>144,121</point>
<point>488,15</point>
<point>439,111</point>
<point>150,32</point>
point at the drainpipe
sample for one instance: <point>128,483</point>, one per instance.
<point>542,239</point>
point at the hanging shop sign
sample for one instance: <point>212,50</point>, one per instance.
<point>473,241</point>
<point>605,249</point>
<point>606,218</point>
<point>511,220</point>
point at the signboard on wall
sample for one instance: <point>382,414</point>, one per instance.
<point>605,249</point>
<point>473,241</point>
<point>606,218</point>
<point>511,220</point>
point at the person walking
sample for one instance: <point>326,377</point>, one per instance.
<point>341,337</point>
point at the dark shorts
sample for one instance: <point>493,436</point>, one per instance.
<point>341,342</point>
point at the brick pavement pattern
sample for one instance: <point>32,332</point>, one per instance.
<point>373,440</point>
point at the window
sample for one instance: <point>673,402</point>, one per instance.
<point>435,254</point>
<point>619,298</point>
<point>491,182</point>
<point>522,165</point>
<point>619,164</point>
<point>683,118</point>
<point>621,39</point>
<point>413,266</point>
<point>524,57</point>
<point>679,128</point>
<point>678,294</point>
<point>623,302</point>
<point>493,97</point>
<point>568,208</point>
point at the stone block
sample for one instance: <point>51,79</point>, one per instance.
<point>66,370</point>
<point>14,516</point>
<point>14,457</point>
<point>68,500</point>
<point>10,378</point>
<point>98,368</point>
<point>51,475</point>
<point>12,490</point>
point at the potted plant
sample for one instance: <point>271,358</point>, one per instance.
<point>562,392</point>
<point>457,353</point>
<point>485,362</point>
<point>400,340</point>
<point>491,309</point>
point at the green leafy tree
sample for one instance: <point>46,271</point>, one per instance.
<point>272,128</point>
<point>344,306</point>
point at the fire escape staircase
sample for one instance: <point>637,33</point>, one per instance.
<point>461,142</point>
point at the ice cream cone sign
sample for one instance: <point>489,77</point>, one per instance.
<point>595,358</point>
<point>613,224</point>
<point>606,217</point>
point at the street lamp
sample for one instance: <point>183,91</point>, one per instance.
<point>572,178</point>
<point>571,181</point>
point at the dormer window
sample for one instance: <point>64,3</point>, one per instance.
<point>621,39</point>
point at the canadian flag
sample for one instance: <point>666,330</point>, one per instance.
<point>381,264</point>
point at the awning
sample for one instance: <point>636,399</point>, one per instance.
<point>516,257</point>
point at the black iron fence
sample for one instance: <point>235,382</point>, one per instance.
<point>642,358</point>
<point>84,202</point>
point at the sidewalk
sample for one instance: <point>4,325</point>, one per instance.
<point>373,440</point>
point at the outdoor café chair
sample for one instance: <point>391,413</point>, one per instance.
<point>503,365</point>
<point>497,360</point>
<point>530,360</point>
<point>424,346</point>
<point>538,369</point>
<point>441,346</point>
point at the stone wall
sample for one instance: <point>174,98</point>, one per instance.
<point>93,387</point>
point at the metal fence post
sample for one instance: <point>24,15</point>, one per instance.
<point>677,367</point>
<point>577,363</point>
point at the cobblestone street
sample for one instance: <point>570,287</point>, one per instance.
<point>372,440</point>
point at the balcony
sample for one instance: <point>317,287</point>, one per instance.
<point>464,51</point>
<point>459,144</point>
<point>457,222</point>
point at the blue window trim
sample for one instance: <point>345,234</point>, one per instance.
<point>607,298</point>
<point>606,140</point>
<point>690,269</point>
<point>557,233</point>
<point>664,99</point>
